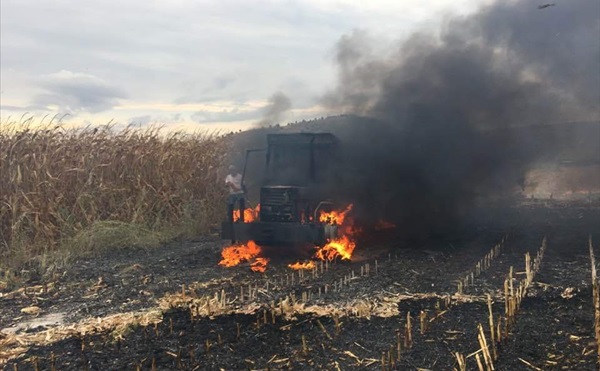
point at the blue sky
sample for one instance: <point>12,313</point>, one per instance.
<point>187,64</point>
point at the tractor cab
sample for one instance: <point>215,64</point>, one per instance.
<point>299,174</point>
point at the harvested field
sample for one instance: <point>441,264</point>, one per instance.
<point>398,305</point>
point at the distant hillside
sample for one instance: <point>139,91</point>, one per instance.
<point>570,144</point>
<point>341,126</point>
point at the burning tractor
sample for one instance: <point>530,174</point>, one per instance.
<point>295,194</point>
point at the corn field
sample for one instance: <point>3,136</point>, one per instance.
<point>57,182</point>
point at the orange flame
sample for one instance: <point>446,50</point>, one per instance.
<point>334,217</point>
<point>259,265</point>
<point>306,265</point>
<point>343,247</point>
<point>250,214</point>
<point>236,254</point>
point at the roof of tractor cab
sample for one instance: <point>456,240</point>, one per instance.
<point>302,139</point>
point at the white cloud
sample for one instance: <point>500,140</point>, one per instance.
<point>75,92</point>
<point>113,54</point>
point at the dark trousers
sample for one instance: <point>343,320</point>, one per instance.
<point>231,201</point>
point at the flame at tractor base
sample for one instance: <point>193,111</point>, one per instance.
<point>250,214</point>
<point>335,217</point>
<point>342,247</point>
<point>306,265</point>
<point>237,254</point>
<point>259,265</point>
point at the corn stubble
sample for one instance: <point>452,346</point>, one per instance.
<point>58,183</point>
<point>513,298</point>
<point>596,296</point>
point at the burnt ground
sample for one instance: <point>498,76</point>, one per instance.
<point>553,330</point>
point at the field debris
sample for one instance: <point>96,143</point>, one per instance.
<point>385,311</point>
<point>33,310</point>
<point>13,345</point>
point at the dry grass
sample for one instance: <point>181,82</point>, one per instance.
<point>596,296</point>
<point>14,345</point>
<point>92,188</point>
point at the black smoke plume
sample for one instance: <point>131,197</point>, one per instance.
<point>279,103</point>
<point>445,105</point>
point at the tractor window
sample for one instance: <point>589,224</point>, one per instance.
<point>289,165</point>
<point>300,159</point>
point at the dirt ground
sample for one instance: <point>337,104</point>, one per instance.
<point>343,315</point>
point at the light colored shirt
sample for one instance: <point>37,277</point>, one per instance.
<point>236,180</point>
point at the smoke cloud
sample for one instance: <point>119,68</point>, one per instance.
<point>445,106</point>
<point>279,103</point>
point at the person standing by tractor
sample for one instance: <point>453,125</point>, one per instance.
<point>236,193</point>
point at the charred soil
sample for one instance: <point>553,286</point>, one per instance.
<point>341,315</point>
